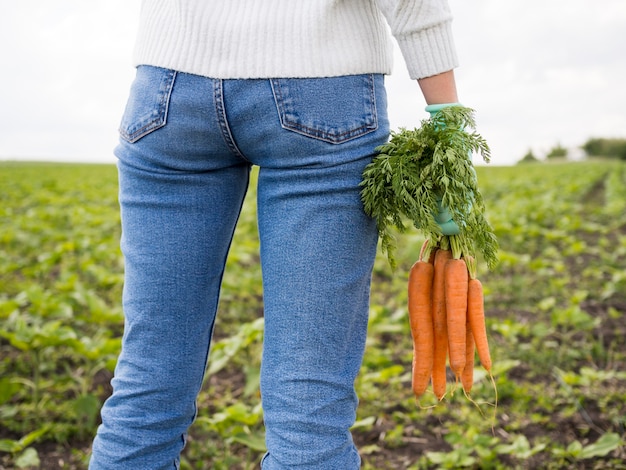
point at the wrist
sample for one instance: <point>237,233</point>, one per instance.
<point>440,88</point>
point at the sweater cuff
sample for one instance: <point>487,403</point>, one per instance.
<point>429,52</point>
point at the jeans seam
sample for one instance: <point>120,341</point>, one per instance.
<point>159,118</point>
<point>222,120</point>
<point>374,124</point>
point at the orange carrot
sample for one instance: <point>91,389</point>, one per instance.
<point>456,286</point>
<point>476,316</point>
<point>467,378</point>
<point>439,324</point>
<point>421,321</point>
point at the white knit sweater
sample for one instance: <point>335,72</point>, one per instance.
<point>294,38</point>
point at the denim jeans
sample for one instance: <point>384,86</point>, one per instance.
<point>187,145</point>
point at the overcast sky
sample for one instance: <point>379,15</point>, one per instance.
<point>538,72</point>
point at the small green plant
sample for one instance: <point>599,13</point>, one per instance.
<point>23,455</point>
<point>606,444</point>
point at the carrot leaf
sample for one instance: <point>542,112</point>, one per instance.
<point>417,171</point>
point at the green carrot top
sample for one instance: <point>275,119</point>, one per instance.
<point>419,172</point>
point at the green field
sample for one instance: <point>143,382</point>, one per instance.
<point>556,319</point>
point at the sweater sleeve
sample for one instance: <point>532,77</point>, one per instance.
<point>423,30</point>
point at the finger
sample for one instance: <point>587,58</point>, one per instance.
<point>449,228</point>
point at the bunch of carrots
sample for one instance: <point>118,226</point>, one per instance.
<point>446,315</point>
<point>414,176</point>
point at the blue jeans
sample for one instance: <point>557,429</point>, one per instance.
<point>187,146</point>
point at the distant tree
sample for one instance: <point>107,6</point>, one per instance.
<point>557,152</point>
<point>600,147</point>
<point>529,158</point>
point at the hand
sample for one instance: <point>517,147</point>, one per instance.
<point>443,217</point>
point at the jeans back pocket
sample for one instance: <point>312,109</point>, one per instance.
<point>333,109</point>
<point>146,109</point>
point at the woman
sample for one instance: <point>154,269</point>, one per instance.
<point>296,88</point>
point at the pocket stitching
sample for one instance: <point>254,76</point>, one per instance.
<point>160,119</point>
<point>370,124</point>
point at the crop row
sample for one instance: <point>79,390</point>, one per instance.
<point>556,306</point>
